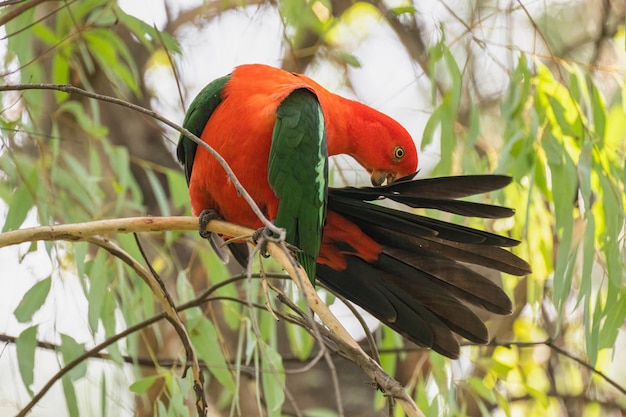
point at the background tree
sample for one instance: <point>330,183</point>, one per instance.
<point>532,90</point>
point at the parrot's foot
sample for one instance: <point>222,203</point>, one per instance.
<point>260,237</point>
<point>263,235</point>
<point>203,220</point>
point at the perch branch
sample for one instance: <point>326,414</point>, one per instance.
<point>345,342</point>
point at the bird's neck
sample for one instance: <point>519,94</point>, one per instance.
<point>346,126</point>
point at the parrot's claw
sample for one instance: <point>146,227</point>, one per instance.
<point>263,235</point>
<point>260,237</point>
<point>203,220</point>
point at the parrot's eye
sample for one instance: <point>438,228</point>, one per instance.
<point>398,152</point>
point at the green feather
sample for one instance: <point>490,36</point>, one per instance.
<point>298,174</point>
<point>198,114</point>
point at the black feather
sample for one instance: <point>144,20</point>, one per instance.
<point>421,285</point>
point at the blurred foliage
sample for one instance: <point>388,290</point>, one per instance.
<point>558,127</point>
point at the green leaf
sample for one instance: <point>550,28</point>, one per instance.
<point>448,137</point>
<point>613,211</point>
<point>615,314</point>
<point>455,90</point>
<point>104,393</point>
<point>114,57</point>
<point>592,332</point>
<point>25,345</point>
<point>159,192</point>
<point>141,386</point>
<point>350,59</point>
<point>146,33</point>
<point>434,121</point>
<point>205,339</point>
<point>588,254</point>
<point>70,350</point>
<point>599,114</point>
<point>85,121</point>
<point>97,291</point>
<point>108,318</point>
<point>102,16</point>
<point>80,254</point>
<point>60,73</point>
<point>70,396</point>
<point>32,300</point>
<point>479,387</point>
<point>22,201</point>
<point>178,193</point>
<point>518,91</point>
<point>390,340</point>
<point>399,10</point>
<point>45,34</point>
<point>569,125</point>
<point>564,184</point>
<point>301,342</point>
<point>273,381</point>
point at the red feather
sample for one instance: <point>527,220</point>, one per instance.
<point>240,129</point>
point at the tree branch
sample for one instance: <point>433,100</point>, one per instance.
<point>338,334</point>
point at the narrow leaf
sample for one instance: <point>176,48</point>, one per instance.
<point>32,300</point>
<point>141,386</point>
<point>25,345</point>
<point>21,202</point>
<point>599,113</point>
<point>273,381</point>
<point>70,350</point>
<point>70,396</point>
<point>206,341</point>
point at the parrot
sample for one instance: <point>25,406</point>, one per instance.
<point>276,130</point>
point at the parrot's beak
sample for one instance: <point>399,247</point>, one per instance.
<point>379,176</point>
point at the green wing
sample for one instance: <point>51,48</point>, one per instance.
<point>198,114</point>
<point>298,174</point>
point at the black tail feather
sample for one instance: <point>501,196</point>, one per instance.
<point>362,212</point>
<point>420,283</point>
<point>461,281</point>
<point>440,188</point>
<point>437,193</point>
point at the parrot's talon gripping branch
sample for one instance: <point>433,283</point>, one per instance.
<point>261,237</point>
<point>203,220</point>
